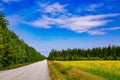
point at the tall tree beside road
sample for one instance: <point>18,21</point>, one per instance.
<point>12,49</point>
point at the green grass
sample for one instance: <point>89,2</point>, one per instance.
<point>54,72</point>
<point>15,66</point>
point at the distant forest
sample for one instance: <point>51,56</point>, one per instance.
<point>12,49</point>
<point>100,53</point>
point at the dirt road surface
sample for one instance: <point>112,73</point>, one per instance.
<point>36,71</point>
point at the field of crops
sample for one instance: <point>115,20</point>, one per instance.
<point>106,70</point>
<point>110,70</point>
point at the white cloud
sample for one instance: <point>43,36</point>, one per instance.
<point>53,9</point>
<point>94,32</point>
<point>78,24</point>
<point>93,7</point>
<point>70,21</point>
<point>102,30</point>
<point>112,28</point>
<point>7,1</point>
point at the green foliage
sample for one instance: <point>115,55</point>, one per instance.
<point>104,53</point>
<point>12,49</point>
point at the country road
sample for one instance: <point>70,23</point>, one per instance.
<point>36,71</point>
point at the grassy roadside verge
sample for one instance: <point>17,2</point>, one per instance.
<point>54,73</point>
<point>15,66</point>
<point>58,70</point>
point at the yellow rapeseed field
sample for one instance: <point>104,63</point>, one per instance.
<point>107,69</point>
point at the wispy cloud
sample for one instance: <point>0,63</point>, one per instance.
<point>75,23</point>
<point>93,7</point>
<point>52,9</point>
<point>58,15</point>
<point>112,28</point>
<point>96,32</point>
<point>102,30</point>
<point>7,1</point>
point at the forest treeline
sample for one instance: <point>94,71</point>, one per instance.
<point>12,49</point>
<point>100,53</point>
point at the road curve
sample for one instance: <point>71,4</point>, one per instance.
<point>36,71</point>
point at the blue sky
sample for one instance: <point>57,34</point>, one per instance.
<point>62,24</point>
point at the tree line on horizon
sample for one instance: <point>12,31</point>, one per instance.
<point>100,53</point>
<point>12,49</point>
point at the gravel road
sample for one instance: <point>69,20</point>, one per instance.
<point>36,71</point>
